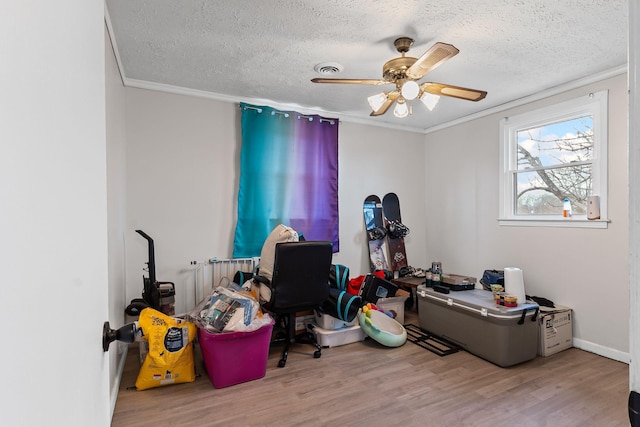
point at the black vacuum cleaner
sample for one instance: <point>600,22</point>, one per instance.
<point>157,295</point>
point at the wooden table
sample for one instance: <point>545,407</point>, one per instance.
<point>410,284</point>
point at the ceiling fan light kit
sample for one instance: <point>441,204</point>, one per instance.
<point>376,101</point>
<point>401,110</point>
<point>429,100</point>
<point>404,72</point>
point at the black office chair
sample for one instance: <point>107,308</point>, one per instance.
<point>300,282</point>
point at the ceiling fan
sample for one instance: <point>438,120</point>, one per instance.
<point>404,72</point>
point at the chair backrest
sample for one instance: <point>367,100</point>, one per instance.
<point>300,275</point>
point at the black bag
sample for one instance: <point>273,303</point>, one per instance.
<point>341,305</point>
<point>375,287</point>
<point>492,277</point>
<point>242,276</point>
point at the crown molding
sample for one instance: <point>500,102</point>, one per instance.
<point>143,84</point>
<point>567,86</point>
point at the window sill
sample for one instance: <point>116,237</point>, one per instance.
<point>566,223</point>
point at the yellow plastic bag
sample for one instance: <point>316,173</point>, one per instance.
<point>170,357</point>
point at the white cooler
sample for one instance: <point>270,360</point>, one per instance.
<point>472,319</point>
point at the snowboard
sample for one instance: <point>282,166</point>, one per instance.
<point>376,234</point>
<point>396,231</point>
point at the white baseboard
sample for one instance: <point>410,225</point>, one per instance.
<point>601,350</point>
<point>116,386</point>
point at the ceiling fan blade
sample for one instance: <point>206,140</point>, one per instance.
<point>453,91</point>
<point>436,55</point>
<point>351,81</point>
<point>391,98</point>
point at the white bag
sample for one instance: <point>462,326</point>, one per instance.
<point>280,234</point>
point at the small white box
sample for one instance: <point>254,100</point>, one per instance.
<point>338,337</point>
<point>556,330</point>
<point>326,321</point>
<point>394,304</point>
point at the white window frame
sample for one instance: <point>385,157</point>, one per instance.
<point>594,104</point>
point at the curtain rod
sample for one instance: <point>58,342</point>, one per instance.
<point>286,114</point>
<point>250,107</point>
<point>322,119</point>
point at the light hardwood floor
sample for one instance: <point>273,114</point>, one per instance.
<point>365,384</point>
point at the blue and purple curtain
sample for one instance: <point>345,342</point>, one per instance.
<point>288,175</point>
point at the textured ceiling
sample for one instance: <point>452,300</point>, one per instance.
<point>265,51</point>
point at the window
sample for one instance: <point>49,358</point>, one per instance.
<point>551,155</point>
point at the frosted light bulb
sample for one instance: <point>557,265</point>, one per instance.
<point>401,109</point>
<point>410,90</point>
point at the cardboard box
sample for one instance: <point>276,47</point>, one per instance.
<point>556,330</point>
<point>394,304</point>
<point>303,318</point>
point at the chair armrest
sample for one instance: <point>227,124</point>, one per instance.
<point>265,291</point>
<point>262,280</point>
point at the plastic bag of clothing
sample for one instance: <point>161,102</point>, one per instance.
<point>227,309</point>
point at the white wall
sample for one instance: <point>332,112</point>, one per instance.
<point>116,210</point>
<point>182,174</point>
<point>53,218</point>
<point>182,169</point>
<point>376,160</point>
<point>634,195</point>
<point>586,269</point>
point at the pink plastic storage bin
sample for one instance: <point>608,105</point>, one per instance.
<point>235,357</point>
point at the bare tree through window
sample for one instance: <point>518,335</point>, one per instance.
<point>554,162</point>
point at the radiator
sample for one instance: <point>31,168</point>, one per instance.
<point>212,273</point>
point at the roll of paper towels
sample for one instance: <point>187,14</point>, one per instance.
<point>593,211</point>
<point>514,283</point>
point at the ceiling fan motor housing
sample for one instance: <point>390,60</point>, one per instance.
<point>396,69</point>
<point>403,44</point>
